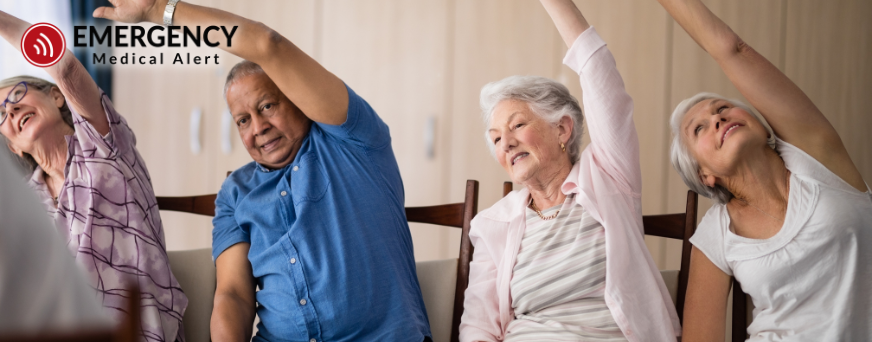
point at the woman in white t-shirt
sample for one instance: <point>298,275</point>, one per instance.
<point>793,216</point>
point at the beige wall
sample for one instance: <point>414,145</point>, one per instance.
<point>416,61</point>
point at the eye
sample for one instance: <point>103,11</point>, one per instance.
<point>518,125</point>
<point>267,106</point>
<point>241,122</point>
<point>496,141</point>
<point>721,108</point>
<point>697,129</point>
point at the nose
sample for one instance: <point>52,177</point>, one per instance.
<point>507,142</point>
<point>260,125</point>
<point>718,120</point>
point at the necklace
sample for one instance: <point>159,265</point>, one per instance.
<point>787,186</point>
<point>539,212</point>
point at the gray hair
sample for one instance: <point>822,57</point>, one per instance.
<point>26,160</point>
<point>240,70</point>
<point>547,98</point>
<point>684,162</point>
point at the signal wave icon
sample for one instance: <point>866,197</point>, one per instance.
<point>43,45</point>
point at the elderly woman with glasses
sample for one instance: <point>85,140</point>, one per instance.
<point>83,164</point>
<point>564,259</point>
<point>792,219</point>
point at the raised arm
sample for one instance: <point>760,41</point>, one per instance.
<point>792,115</point>
<point>233,315</point>
<point>319,94</point>
<point>80,91</point>
<point>568,19</point>
<point>608,108</point>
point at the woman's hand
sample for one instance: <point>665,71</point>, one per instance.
<point>80,91</point>
<point>133,11</point>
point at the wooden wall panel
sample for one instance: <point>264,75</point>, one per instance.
<point>493,39</point>
<point>828,54</point>
<point>394,53</point>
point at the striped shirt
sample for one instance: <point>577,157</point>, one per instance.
<point>558,281</point>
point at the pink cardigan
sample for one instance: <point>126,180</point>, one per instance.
<point>607,181</point>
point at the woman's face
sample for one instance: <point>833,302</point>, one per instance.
<point>718,134</point>
<point>527,146</point>
<point>34,116</point>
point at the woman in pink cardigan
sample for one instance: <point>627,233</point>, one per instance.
<point>564,258</point>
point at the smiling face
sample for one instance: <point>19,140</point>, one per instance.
<point>718,134</point>
<point>36,115</point>
<point>272,128</point>
<point>527,146</point>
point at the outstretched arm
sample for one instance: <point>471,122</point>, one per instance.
<point>608,108</point>
<point>792,115</point>
<point>568,19</point>
<point>319,94</point>
<point>80,91</point>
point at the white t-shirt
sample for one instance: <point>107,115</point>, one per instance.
<point>812,281</point>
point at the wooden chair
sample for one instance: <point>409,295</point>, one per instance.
<point>679,226</point>
<point>128,331</point>
<point>457,215</point>
<point>742,315</point>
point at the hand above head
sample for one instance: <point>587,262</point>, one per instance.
<point>133,11</point>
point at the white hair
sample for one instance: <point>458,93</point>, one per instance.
<point>547,98</point>
<point>684,162</point>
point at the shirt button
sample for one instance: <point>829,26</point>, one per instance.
<point>313,340</point>
<point>284,193</point>
<point>302,302</point>
<point>296,168</point>
<point>293,260</point>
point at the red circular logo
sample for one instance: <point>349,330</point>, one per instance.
<point>43,45</point>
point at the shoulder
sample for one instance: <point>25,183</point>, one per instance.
<point>239,177</point>
<point>807,167</point>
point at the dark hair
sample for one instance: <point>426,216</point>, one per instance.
<point>44,86</point>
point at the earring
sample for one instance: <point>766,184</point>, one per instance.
<point>563,147</point>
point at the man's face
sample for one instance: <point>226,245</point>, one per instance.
<point>272,128</point>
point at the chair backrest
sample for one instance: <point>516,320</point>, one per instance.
<point>458,215</point>
<point>741,317</point>
<point>679,226</point>
<point>128,331</point>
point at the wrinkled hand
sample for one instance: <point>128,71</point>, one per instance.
<point>133,11</point>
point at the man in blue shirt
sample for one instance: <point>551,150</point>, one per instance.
<point>317,220</point>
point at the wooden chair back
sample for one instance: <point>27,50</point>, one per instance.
<point>740,313</point>
<point>128,331</point>
<point>457,215</point>
<point>680,226</point>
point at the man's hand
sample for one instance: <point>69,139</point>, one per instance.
<point>133,11</point>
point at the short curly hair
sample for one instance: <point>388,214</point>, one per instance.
<point>546,97</point>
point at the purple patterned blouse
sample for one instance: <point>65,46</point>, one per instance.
<point>108,214</point>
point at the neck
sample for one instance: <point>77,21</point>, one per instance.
<point>545,190</point>
<point>50,153</point>
<point>761,181</point>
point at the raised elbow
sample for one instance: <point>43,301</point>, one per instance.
<point>731,45</point>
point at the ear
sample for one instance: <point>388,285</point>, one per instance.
<point>564,129</point>
<point>57,97</point>
<point>707,178</point>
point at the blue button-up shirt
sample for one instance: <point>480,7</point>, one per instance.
<point>330,249</point>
